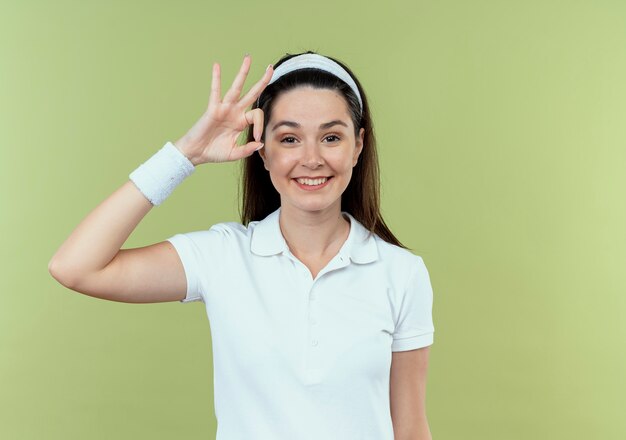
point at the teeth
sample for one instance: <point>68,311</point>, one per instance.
<point>313,181</point>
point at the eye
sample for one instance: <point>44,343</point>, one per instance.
<point>336,138</point>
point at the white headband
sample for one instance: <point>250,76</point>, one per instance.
<point>316,61</point>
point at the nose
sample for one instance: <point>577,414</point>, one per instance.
<point>312,156</point>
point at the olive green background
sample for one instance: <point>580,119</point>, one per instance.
<point>501,129</point>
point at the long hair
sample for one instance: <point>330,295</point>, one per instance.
<point>362,195</point>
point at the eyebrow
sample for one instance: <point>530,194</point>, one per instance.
<point>322,126</point>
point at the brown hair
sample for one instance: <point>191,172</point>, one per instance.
<point>362,195</point>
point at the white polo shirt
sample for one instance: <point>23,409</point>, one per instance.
<point>297,358</point>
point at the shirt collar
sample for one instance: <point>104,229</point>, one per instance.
<point>267,239</point>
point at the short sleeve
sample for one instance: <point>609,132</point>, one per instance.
<point>201,253</point>
<point>190,254</point>
<point>414,323</point>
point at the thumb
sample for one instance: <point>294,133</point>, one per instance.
<point>248,149</point>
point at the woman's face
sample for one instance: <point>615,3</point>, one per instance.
<point>303,140</point>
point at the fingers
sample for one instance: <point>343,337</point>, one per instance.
<point>214,97</point>
<point>255,116</point>
<point>235,90</point>
<point>233,93</point>
<point>256,90</point>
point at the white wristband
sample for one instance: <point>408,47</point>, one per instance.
<point>157,177</point>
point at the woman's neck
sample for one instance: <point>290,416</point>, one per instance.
<point>314,234</point>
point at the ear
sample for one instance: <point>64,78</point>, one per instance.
<point>359,147</point>
<point>262,154</point>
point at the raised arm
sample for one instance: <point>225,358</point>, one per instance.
<point>91,260</point>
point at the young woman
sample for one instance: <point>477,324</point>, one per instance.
<point>321,320</point>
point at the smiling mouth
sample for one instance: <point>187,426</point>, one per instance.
<point>313,182</point>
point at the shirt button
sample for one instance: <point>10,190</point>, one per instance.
<point>314,342</point>
<point>312,297</point>
<point>313,321</point>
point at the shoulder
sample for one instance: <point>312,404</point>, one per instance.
<point>401,267</point>
<point>219,234</point>
<point>232,232</point>
<point>397,257</point>
<point>229,228</point>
